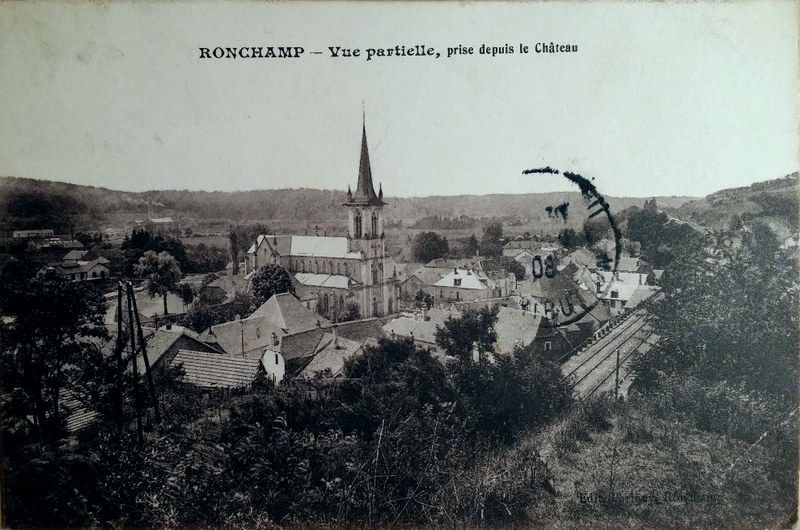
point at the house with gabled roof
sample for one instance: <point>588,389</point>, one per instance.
<point>215,371</point>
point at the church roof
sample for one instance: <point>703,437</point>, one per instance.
<point>321,246</point>
<point>336,281</point>
<point>365,191</point>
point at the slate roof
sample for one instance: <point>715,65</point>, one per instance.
<point>331,356</point>
<point>302,344</point>
<point>515,327</point>
<point>335,281</point>
<point>365,191</point>
<point>159,341</point>
<point>257,333</point>
<point>628,264</point>
<point>421,330</point>
<point>75,255</point>
<point>286,312</point>
<point>429,276</point>
<point>212,370</point>
<point>321,246</point>
<point>463,279</point>
<point>640,294</point>
<point>581,256</point>
<point>633,278</point>
<point>624,290</point>
<point>361,330</point>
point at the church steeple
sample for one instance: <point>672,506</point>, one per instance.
<point>365,190</point>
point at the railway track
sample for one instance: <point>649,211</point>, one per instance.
<point>592,370</point>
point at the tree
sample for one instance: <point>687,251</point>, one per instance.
<point>233,241</point>
<point>569,238</point>
<point>513,266</point>
<point>428,246</point>
<point>474,330</point>
<point>161,272</point>
<point>471,246</point>
<point>350,312</point>
<point>186,293</point>
<point>423,299</point>
<point>269,280</point>
<point>493,232</point>
<point>56,323</point>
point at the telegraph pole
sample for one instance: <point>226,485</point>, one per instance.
<point>616,383</point>
<point>135,369</point>
<point>143,346</point>
<point>118,353</point>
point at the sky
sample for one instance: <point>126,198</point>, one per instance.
<point>660,99</point>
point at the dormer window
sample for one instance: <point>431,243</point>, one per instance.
<point>614,294</point>
<point>457,282</point>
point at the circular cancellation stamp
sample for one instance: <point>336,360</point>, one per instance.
<point>564,302</point>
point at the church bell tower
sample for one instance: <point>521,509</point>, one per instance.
<point>365,235</point>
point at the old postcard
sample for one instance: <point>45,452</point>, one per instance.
<point>405,264</point>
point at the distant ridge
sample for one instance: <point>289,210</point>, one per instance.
<point>21,198</point>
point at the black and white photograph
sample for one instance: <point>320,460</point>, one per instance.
<point>373,265</point>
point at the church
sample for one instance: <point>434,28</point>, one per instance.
<point>338,271</point>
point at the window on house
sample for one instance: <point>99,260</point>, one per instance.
<point>548,346</point>
<point>276,359</point>
<point>613,303</point>
<point>374,224</point>
<point>357,226</point>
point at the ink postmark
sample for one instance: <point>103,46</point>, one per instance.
<point>563,302</point>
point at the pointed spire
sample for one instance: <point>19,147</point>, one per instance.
<point>380,190</point>
<point>365,190</point>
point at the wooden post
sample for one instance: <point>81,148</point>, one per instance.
<point>135,369</point>
<point>616,383</point>
<point>143,347</point>
<point>118,352</point>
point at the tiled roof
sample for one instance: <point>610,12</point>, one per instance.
<point>331,356</point>
<point>214,370</point>
<point>286,312</point>
<point>335,281</point>
<point>78,416</point>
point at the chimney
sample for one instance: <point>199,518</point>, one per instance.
<point>425,316</point>
<point>455,271</point>
<point>319,324</point>
<point>274,339</point>
<point>336,336</point>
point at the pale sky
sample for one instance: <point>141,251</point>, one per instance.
<point>661,99</point>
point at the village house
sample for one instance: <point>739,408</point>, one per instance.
<point>79,265</point>
<point>213,371</point>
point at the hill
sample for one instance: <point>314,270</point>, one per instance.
<point>28,203</point>
<point>774,201</point>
